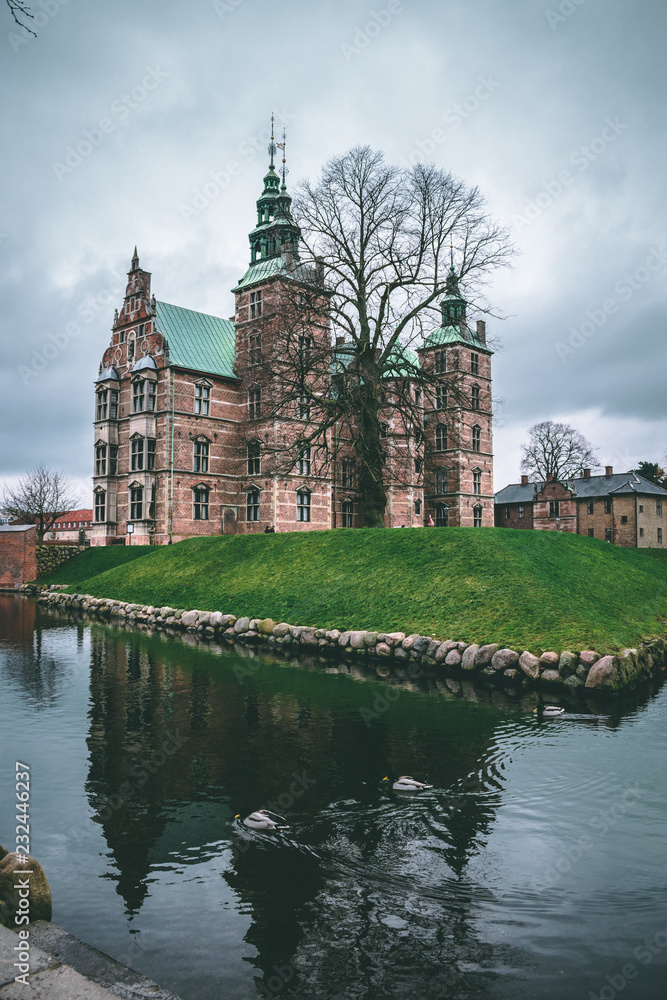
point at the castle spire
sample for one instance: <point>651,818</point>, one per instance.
<point>135,260</point>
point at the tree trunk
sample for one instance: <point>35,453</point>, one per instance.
<point>370,454</point>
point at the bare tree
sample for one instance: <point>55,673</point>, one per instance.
<point>40,497</point>
<point>19,10</point>
<point>557,449</point>
<point>380,242</point>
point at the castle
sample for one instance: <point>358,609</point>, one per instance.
<point>183,438</point>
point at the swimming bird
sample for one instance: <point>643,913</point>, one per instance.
<point>264,819</point>
<point>407,784</point>
<point>548,711</point>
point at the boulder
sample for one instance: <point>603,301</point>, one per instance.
<point>604,673</point>
<point>530,665</point>
<point>433,647</point>
<point>309,637</point>
<point>358,640</point>
<point>573,683</point>
<point>241,625</point>
<point>550,660</point>
<point>282,629</point>
<point>391,638</point>
<point>504,659</point>
<point>453,658</point>
<point>567,663</point>
<point>443,649</point>
<point>265,626</point>
<point>13,867</point>
<point>486,654</point>
<point>383,649</point>
<point>421,644</point>
<point>409,641</point>
<point>469,657</point>
<point>215,621</point>
<point>582,671</point>
<point>371,638</point>
<point>551,677</point>
<point>188,618</point>
<point>588,657</point>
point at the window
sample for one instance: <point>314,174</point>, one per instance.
<point>384,430</point>
<point>130,345</point>
<point>607,534</point>
<point>255,305</point>
<point>441,397</point>
<point>200,503</point>
<point>202,399</point>
<point>441,438</point>
<point>252,506</point>
<point>477,482</point>
<point>440,362</point>
<point>136,454</point>
<point>102,397</point>
<point>507,512</point>
<point>520,511</point>
<point>201,456</point>
<point>418,397</point>
<point>305,344</point>
<point>660,536</point>
<point>138,395</point>
<point>303,408</point>
<point>255,348</point>
<point>589,507</point>
<point>254,403</point>
<point>100,506</point>
<point>303,506</point>
<point>113,459</point>
<point>419,465</point>
<point>554,508</point>
<point>624,518</point>
<point>113,404</point>
<point>418,506</point>
<point>100,460</point>
<point>303,462</point>
<point>607,506</point>
<point>591,533</point>
<point>641,532</point>
<point>641,508</point>
<point>658,508</point>
<point>474,363</point>
<point>477,517</point>
<point>346,478</point>
<point>150,453</point>
<point>441,481</point>
<point>442,516</point>
<point>476,438</point>
<point>253,458</point>
<point>136,503</point>
<point>474,397</point>
<point>348,513</point>
<point>152,388</point>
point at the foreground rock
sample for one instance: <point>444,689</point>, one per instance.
<point>23,889</point>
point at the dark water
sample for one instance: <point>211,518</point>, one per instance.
<point>536,867</point>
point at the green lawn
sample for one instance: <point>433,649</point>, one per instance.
<point>532,590</point>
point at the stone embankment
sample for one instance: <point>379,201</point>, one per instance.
<point>51,555</point>
<point>568,671</point>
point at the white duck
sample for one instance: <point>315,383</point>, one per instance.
<point>407,784</point>
<point>264,819</point>
<point>548,711</point>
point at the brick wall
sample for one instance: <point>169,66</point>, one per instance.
<point>18,564</point>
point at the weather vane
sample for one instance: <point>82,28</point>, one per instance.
<point>272,144</point>
<point>282,145</point>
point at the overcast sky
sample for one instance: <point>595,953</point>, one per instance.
<point>556,110</point>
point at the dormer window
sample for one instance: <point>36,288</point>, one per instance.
<point>202,399</point>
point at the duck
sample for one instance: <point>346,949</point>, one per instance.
<point>548,711</point>
<point>407,784</point>
<point>264,819</point>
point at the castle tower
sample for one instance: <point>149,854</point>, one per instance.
<point>458,487</point>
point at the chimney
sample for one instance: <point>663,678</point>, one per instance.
<point>550,477</point>
<point>587,473</point>
<point>524,480</point>
<point>609,470</point>
<point>481,331</point>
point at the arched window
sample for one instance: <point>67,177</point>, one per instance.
<point>442,516</point>
<point>441,438</point>
<point>252,504</point>
<point>200,503</point>
<point>477,516</point>
<point>474,397</point>
<point>253,458</point>
<point>303,505</point>
<point>477,438</point>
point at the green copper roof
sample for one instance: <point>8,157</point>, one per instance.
<point>453,335</point>
<point>403,362</point>
<point>263,269</point>
<point>196,340</point>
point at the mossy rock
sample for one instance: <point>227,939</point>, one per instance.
<point>13,869</point>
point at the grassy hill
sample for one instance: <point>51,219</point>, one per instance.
<point>532,590</point>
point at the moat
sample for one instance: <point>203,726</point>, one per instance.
<point>535,867</point>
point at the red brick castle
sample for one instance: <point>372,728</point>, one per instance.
<point>183,436</point>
